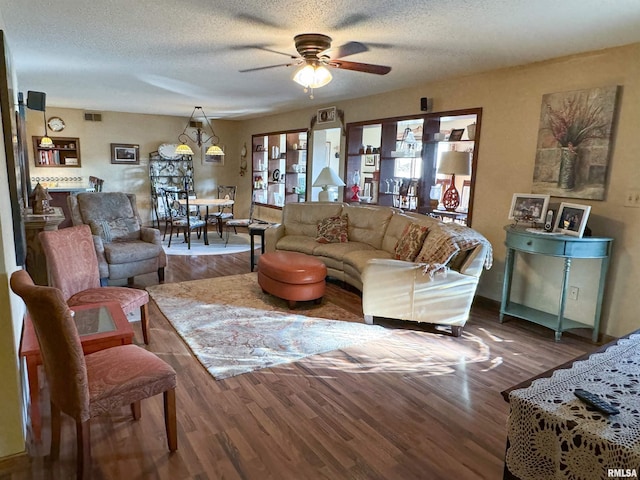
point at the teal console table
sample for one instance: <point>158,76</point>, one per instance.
<point>567,247</point>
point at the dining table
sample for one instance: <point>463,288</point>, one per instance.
<point>206,203</point>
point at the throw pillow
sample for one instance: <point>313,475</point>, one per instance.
<point>410,243</point>
<point>333,230</point>
<point>124,229</point>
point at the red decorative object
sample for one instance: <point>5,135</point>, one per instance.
<point>451,198</point>
<point>355,189</point>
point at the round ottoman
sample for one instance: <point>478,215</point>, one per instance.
<point>292,276</point>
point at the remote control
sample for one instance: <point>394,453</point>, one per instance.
<point>596,402</point>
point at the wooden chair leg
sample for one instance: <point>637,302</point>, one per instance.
<point>83,440</point>
<point>144,320</point>
<point>55,432</point>
<point>136,410</point>
<point>170,420</point>
<point>161,275</point>
<point>130,281</point>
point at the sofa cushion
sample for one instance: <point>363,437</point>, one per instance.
<point>333,229</point>
<point>367,224</point>
<point>299,219</point>
<point>411,242</point>
<point>339,250</point>
<point>358,259</point>
<point>297,243</point>
<point>398,223</point>
<point>133,251</point>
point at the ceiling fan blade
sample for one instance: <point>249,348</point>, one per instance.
<point>267,67</point>
<point>265,49</point>
<point>360,67</point>
<point>350,48</point>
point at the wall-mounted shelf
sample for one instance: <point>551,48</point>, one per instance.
<point>65,152</point>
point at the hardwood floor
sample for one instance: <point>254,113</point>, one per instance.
<point>389,411</point>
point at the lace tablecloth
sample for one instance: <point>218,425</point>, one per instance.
<point>554,435</point>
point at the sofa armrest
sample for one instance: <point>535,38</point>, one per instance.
<point>271,237</point>
<point>150,235</point>
<point>103,266</point>
<point>398,289</point>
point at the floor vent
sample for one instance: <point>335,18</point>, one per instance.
<point>92,117</point>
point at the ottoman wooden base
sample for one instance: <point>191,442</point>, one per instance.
<point>292,276</point>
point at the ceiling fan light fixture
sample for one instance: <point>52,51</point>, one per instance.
<point>313,76</point>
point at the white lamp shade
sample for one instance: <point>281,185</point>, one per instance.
<point>328,178</point>
<point>311,76</point>
<point>455,163</point>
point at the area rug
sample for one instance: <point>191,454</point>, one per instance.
<point>238,243</point>
<point>232,327</point>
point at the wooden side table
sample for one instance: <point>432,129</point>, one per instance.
<point>33,225</point>
<point>257,229</point>
<point>100,326</point>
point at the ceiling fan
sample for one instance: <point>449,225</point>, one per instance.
<point>315,55</point>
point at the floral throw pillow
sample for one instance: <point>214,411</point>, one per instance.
<point>333,230</point>
<point>410,242</point>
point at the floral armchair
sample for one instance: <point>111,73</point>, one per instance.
<point>124,247</point>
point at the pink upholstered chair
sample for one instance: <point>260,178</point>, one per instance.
<point>73,268</point>
<point>86,386</point>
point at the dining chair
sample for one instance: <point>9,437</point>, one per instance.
<point>236,223</point>
<point>96,183</point>
<point>182,217</point>
<point>72,266</point>
<point>85,386</point>
<point>224,213</point>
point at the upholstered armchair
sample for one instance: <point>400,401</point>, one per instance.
<point>124,247</point>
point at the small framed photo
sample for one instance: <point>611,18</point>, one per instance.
<point>456,134</point>
<point>529,207</point>
<point>125,153</point>
<point>326,115</point>
<point>572,219</point>
<point>369,161</point>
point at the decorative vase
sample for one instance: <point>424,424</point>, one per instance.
<point>471,131</point>
<point>568,168</point>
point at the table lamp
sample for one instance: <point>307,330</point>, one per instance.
<point>453,163</point>
<point>327,178</point>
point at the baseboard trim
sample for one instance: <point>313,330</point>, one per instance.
<point>18,462</point>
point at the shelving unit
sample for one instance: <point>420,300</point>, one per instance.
<point>65,152</point>
<point>279,164</point>
<point>402,165</point>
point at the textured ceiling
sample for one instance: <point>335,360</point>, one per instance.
<point>165,56</point>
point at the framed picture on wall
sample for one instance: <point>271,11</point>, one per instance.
<point>572,219</point>
<point>326,115</point>
<point>125,153</point>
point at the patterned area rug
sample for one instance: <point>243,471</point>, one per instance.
<point>234,328</point>
<point>237,243</point>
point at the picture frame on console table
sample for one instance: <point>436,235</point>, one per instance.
<point>572,219</point>
<point>529,207</point>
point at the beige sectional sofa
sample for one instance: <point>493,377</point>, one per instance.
<point>390,287</point>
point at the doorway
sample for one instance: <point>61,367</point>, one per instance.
<point>325,153</point>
